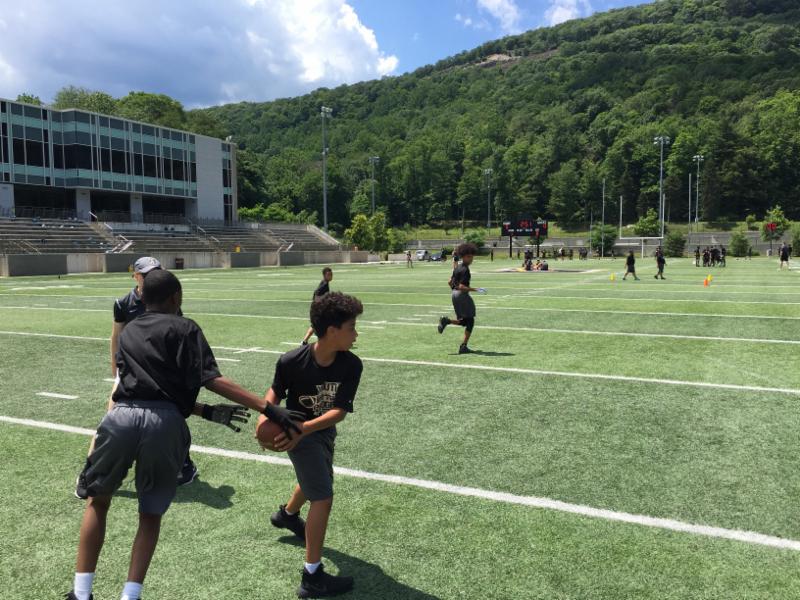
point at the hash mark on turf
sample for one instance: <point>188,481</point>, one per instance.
<point>54,395</point>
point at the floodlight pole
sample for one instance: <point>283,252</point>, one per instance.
<point>620,216</point>
<point>660,140</point>
<point>325,113</point>
<point>689,230</point>
<point>372,161</point>
<point>487,174</point>
<point>603,222</point>
<point>698,158</point>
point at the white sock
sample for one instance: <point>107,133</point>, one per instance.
<point>312,567</point>
<point>291,514</point>
<point>83,585</point>
<point>131,591</point>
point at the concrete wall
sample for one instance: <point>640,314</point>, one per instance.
<point>36,264</point>
<point>245,260</point>
<point>83,204</point>
<point>85,263</point>
<point>209,178</point>
<point>6,197</point>
<point>60,264</point>
<point>137,210</point>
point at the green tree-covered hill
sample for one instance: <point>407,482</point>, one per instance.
<point>553,111</point>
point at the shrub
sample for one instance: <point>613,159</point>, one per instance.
<point>739,244</point>
<point>477,237</point>
<point>674,244</point>
<point>751,223</point>
<point>604,237</point>
<point>795,243</point>
<point>648,225</point>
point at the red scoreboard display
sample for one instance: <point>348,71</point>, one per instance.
<point>525,227</point>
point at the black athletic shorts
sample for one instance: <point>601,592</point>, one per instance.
<point>312,460</point>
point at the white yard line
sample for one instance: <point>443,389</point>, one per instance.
<point>413,322</point>
<point>567,374</point>
<point>235,360</point>
<point>54,395</point>
<point>749,537</point>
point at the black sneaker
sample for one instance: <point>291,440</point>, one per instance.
<point>462,349</point>
<point>72,596</point>
<point>304,343</point>
<point>188,473</point>
<point>81,491</point>
<point>322,585</point>
<point>443,322</point>
<point>294,523</point>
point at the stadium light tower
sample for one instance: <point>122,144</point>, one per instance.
<point>698,158</point>
<point>487,174</point>
<point>661,140</point>
<point>373,160</point>
<point>325,113</point>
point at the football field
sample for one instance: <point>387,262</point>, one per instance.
<point>607,439</point>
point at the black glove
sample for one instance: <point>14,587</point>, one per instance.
<point>283,417</point>
<point>226,414</point>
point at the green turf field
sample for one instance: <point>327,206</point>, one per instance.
<point>660,399</point>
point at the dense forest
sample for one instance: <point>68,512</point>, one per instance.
<point>553,112</point>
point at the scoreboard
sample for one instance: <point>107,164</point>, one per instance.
<point>525,227</point>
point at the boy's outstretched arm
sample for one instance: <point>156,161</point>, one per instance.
<point>227,388</point>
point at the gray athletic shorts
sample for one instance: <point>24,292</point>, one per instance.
<point>463,305</point>
<point>312,459</point>
<point>154,435</point>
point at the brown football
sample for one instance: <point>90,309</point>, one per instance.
<point>266,431</point>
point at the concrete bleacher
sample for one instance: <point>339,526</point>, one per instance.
<point>228,238</point>
<point>302,237</point>
<point>49,236</point>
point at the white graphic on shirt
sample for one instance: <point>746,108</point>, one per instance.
<point>323,401</point>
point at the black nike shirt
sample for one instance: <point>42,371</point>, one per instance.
<point>322,289</point>
<point>164,357</point>
<point>461,274</point>
<point>312,390</point>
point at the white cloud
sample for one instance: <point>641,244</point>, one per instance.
<point>565,10</point>
<point>201,52</point>
<point>506,12</point>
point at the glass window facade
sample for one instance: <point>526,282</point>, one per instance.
<point>78,149</point>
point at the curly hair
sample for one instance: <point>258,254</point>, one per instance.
<point>467,249</point>
<point>334,310</point>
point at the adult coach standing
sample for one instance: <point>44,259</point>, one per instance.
<point>126,309</point>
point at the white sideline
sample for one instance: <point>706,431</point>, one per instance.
<point>569,374</point>
<point>749,537</point>
<point>364,324</point>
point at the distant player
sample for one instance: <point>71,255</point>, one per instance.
<point>322,289</point>
<point>163,361</point>
<point>126,309</point>
<point>630,266</point>
<point>320,383</point>
<point>697,256</point>
<point>784,256</point>
<point>462,302</point>
<point>409,261</point>
<point>660,263</point>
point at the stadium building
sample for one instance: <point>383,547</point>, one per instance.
<point>78,164</point>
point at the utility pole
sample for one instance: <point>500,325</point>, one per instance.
<point>689,230</point>
<point>661,140</point>
<point>325,113</point>
<point>620,216</point>
<point>698,158</point>
<point>372,161</point>
<point>487,174</point>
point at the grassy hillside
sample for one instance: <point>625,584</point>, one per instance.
<point>553,112</point>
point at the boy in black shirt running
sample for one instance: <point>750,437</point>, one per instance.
<point>163,360</point>
<point>322,289</point>
<point>319,382</point>
<point>462,301</point>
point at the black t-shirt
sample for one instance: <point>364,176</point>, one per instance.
<point>313,390</point>
<point>784,254</point>
<point>461,274</point>
<point>130,306</point>
<point>630,261</point>
<point>321,290</point>
<point>164,357</point>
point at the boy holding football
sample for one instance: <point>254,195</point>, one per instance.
<point>319,382</point>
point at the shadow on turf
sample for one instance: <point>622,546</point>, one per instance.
<point>198,491</point>
<point>370,580</point>
<point>486,353</point>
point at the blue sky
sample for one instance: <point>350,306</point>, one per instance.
<point>206,52</point>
